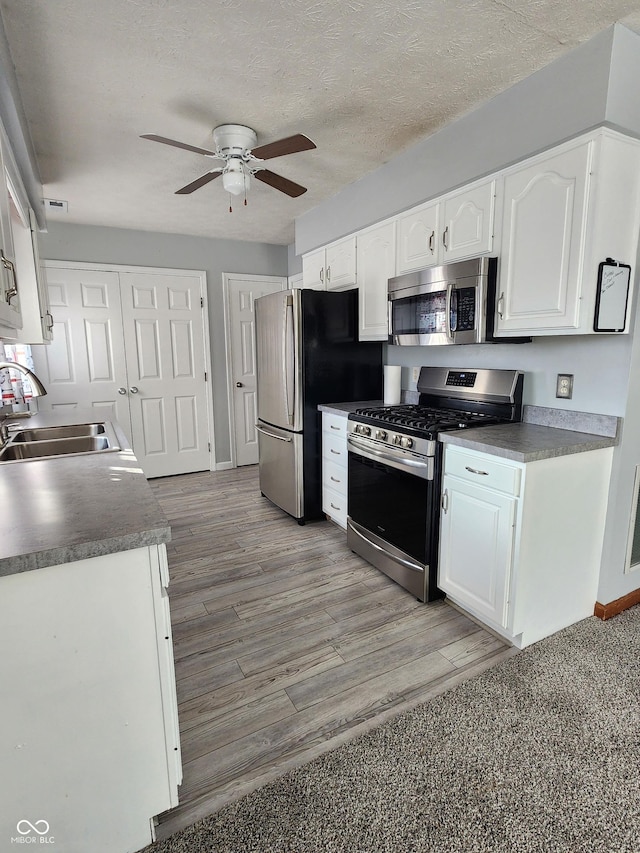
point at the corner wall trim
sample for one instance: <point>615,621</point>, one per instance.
<point>606,611</point>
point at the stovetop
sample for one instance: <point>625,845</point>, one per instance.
<point>419,420</point>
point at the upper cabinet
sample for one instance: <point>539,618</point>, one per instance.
<point>456,226</point>
<point>24,298</point>
<point>565,212</point>
<point>376,260</point>
<point>10,314</point>
<point>331,268</point>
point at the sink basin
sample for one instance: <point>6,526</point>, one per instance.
<point>64,440</point>
<point>66,431</point>
<point>57,447</point>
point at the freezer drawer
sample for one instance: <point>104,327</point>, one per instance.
<point>281,469</point>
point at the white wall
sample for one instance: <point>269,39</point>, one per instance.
<point>94,244</point>
<point>600,368</point>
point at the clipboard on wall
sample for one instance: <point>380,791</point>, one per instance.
<point>612,296</point>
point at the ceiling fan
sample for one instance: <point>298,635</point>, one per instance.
<point>234,146</point>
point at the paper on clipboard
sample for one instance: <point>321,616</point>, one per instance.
<point>612,296</point>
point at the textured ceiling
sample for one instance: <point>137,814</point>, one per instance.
<point>363,78</point>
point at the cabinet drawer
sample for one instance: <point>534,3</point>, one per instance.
<point>483,470</point>
<point>334,424</point>
<point>334,448</point>
<point>334,477</point>
<point>335,505</point>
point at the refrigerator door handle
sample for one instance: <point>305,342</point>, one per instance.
<point>272,434</point>
<point>287,358</point>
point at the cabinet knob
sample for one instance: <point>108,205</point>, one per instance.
<point>239,385</point>
<point>122,390</point>
<point>133,389</point>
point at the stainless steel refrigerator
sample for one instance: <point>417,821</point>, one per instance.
<point>307,352</point>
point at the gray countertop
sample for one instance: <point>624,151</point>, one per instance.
<point>69,508</point>
<point>527,442</point>
<point>346,408</point>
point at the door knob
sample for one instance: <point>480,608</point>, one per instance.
<point>133,389</point>
<point>239,385</point>
<point>122,390</point>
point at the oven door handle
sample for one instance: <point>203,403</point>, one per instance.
<point>415,567</point>
<point>412,466</point>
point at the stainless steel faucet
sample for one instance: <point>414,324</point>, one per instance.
<point>37,390</point>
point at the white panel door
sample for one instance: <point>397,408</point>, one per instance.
<point>164,345</point>
<point>242,291</point>
<point>84,365</point>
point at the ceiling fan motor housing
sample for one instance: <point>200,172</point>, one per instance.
<point>234,139</point>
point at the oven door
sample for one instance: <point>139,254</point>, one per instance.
<point>392,515</point>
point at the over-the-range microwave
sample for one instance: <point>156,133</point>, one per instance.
<point>451,304</point>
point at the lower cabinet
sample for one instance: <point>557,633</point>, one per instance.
<point>520,544</point>
<point>89,712</point>
<point>334,467</point>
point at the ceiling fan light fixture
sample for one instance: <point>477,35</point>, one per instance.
<point>235,179</point>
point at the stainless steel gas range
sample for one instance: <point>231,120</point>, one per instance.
<point>395,462</point>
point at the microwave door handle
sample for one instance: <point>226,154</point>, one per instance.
<point>447,314</point>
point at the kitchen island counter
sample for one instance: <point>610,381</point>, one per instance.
<point>345,409</point>
<point>67,508</point>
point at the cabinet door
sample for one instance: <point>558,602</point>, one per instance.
<point>467,223</point>
<point>340,270</point>
<point>376,261</point>
<point>313,272</point>
<point>418,239</point>
<point>37,321</point>
<point>545,206</point>
<point>476,543</point>
<point>10,314</point>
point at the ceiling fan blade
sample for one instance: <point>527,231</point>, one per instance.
<point>199,182</point>
<point>290,145</point>
<point>155,138</point>
<point>280,183</point>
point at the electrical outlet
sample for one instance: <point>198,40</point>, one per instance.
<point>415,374</point>
<point>564,385</point>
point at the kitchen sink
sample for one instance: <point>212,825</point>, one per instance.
<point>65,440</point>
<point>66,431</point>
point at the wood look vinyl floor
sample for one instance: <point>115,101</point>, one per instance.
<point>286,643</point>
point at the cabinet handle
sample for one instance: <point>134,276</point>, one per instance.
<point>432,241</point>
<point>444,237</point>
<point>322,274</point>
<point>9,265</point>
<point>476,471</point>
<point>328,274</point>
<point>335,480</point>
<point>50,326</point>
<point>333,506</point>
<point>337,452</point>
<point>333,426</point>
<point>501,306</point>
<point>445,500</point>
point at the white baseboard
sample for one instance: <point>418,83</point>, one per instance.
<point>223,466</point>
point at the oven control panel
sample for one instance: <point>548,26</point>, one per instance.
<point>461,378</point>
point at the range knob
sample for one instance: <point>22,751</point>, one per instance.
<point>407,442</point>
<point>381,435</point>
<point>397,439</point>
<point>363,430</point>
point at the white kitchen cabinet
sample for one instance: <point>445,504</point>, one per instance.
<point>91,741</point>
<point>332,267</point>
<point>564,212</point>
<point>458,225</point>
<point>520,544</point>
<point>37,319</point>
<point>10,313</point>
<point>376,264</point>
<point>334,467</point>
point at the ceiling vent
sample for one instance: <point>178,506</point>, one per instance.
<point>54,204</point>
